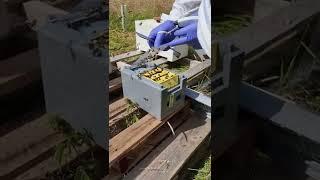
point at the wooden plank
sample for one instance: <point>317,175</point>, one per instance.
<point>263,8</point>
<point>313,170</point>
<point>118,111</point>
<point>37,13</point>
<point>119,57</point>
<point>138,153</point>
<point>115,84</point>
<point>141,151</point>
<point>59,2</point>
<point>170,156</point>
<point>116,108</point>
<point>157,62</point>
<point>197,69</point>
<point>50,165</point>
<point>35,138</point>
<point>269,29</point>
<point>223,7</point>
<point>11,123</point>
<point>133,135</point>
<point>273,46</point>
<point>19,71</point>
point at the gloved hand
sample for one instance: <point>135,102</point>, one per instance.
<point>154,36</point>
<point>185,35</point>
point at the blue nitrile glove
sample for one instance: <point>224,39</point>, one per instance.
<point>153,36</point>
<point>185,35</point>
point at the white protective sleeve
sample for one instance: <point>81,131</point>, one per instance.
<point>181,7</point>
<point>204,26</point>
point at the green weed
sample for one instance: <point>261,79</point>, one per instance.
<point>74,140</point>
<point>224,25</point>
<point>134,113</point>
<point>205,171</point>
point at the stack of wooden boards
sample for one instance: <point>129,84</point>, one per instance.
<point>147,148</point>
<point>145,145</point>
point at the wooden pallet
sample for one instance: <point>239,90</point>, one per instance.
<point>147,140</point>
<point>115,84</point>
<point>33,158</point>
<point>170,156</point>
<point>35,139</point>
<point>129,146</point>
<point>20,90</point>
<point>19,71</point>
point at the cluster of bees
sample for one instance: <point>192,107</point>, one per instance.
<point>159,75</point>
<point>98,43</point>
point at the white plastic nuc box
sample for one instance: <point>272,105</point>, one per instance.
<point>145,27</point>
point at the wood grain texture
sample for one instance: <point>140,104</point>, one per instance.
<point>141,151</point>
<point>169,157</point>
<point>197,69</point>
<point>125,56</point>
<point>118,112</point>
<point>133,135</point>
<point>117,108</point>
<point>50,165</point>
<point>269,29</point>
<point>35,139</point>
<point>115,84</point>
<point>19,71</point>
<point>155,139</point>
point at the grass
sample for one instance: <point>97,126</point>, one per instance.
<point>123,41</point>
<point>74,141</point>
<point>227,24</point>
<point>306,94</point>
<point>133,112</point>
<point>204,172</point>
<point>177,67</point>
<point>153,7</point>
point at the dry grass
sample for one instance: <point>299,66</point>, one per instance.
<point>120,42</point>
<point>155,7</point>
<point>123,41</point>
<point>227,24</point>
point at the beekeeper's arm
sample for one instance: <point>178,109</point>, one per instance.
<point>204,26</point>
<point>180,8</point>
<point>196,34</point>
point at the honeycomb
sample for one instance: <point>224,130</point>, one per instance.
<point>163,77</point>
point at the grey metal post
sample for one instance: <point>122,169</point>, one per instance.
<point>225,102</point>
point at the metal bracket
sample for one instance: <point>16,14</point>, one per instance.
<point>199,97</point>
